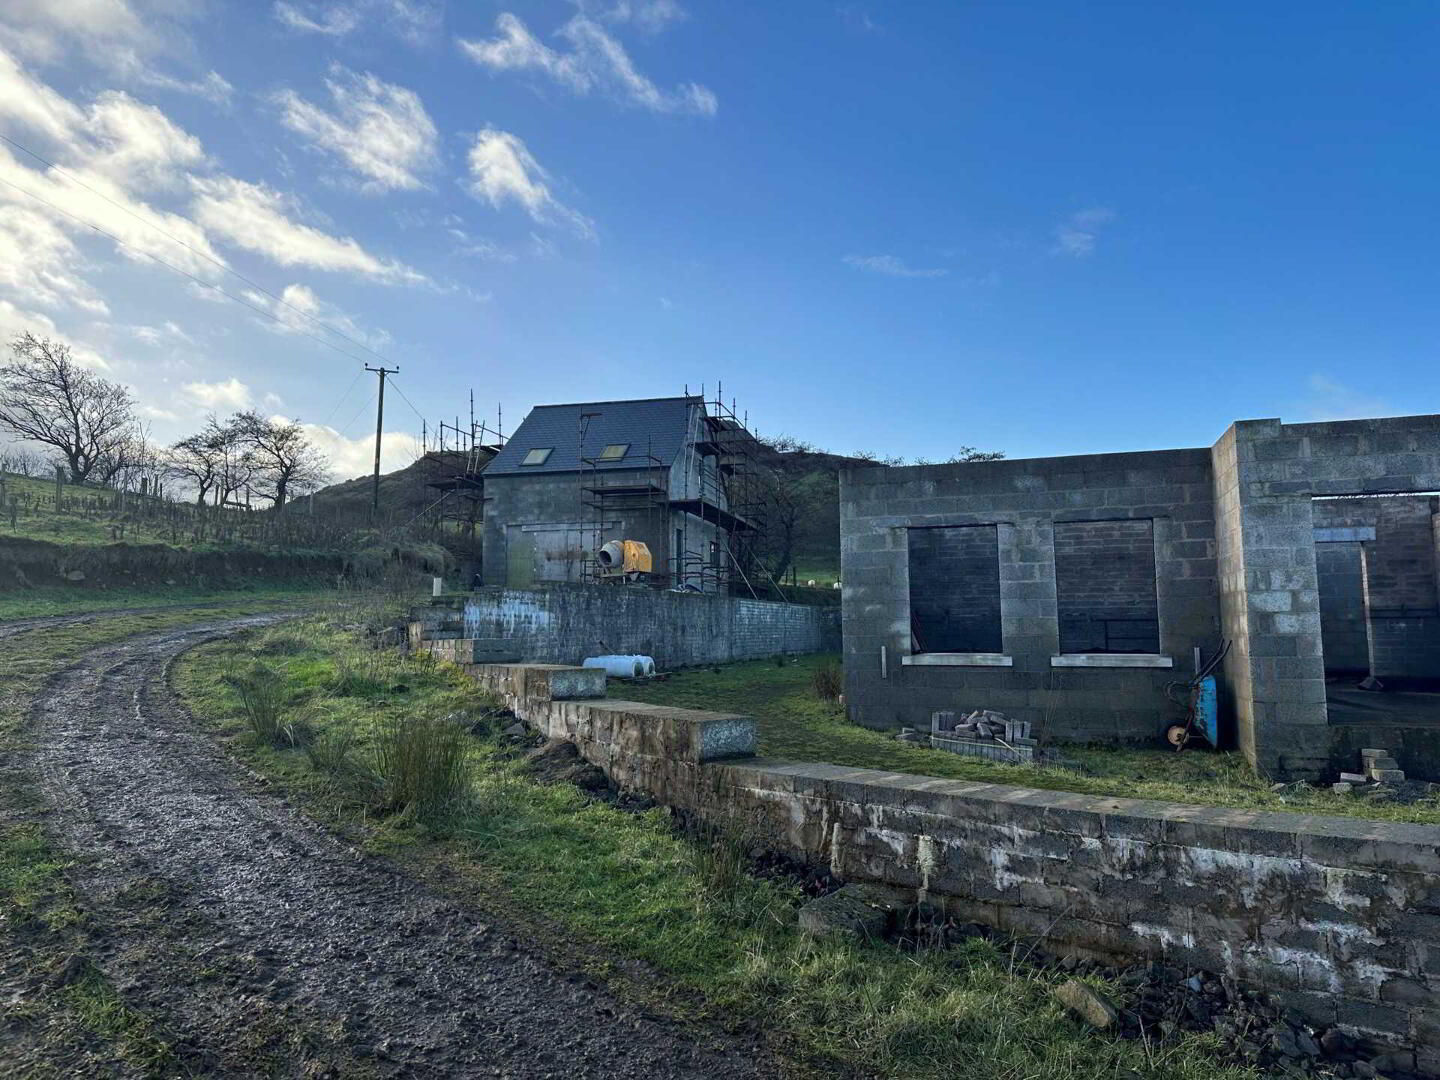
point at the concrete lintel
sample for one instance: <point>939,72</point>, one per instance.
<point>1339,534</point>
<point>957,659</point>
<point>1112,660</point>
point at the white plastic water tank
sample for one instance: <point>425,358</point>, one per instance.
<point>622,667</point>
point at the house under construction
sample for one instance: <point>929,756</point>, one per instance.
<point>677,474</point>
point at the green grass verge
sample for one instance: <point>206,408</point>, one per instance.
<point>629,886</point>
<point>793,723</point>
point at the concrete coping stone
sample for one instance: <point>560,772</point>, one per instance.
<point>1315,838</point>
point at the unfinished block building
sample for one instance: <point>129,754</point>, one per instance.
<point>1070,591</point>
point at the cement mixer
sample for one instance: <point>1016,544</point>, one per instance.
<point>626,560</point>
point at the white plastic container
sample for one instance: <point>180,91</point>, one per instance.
<point>622,667</point>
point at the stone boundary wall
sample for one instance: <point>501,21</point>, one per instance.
<point>563,624</point>
<point>1339,918</point>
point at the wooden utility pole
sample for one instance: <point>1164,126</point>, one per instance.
<point>382,371</point>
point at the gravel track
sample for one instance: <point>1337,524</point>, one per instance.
<point>266,946</point>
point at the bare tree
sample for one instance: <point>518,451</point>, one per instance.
<point>200,461</point>
<point>18,460</point>
<point>47,398</point>
<point>286,462</point>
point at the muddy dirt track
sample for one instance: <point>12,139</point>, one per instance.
<point>16,627</point>
<point>266,947</point>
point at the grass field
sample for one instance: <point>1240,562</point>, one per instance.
<point>71,599</point>
<point>599,889</point>
<point>793,723</point>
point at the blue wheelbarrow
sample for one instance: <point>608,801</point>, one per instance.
<point>1200,701</point>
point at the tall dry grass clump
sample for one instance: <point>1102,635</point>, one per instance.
<point>263,700</point>
<point>423,765</point>
<point>828,681</point>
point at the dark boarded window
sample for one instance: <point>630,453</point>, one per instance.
<point>955,589</point>
<point>1105,587</point>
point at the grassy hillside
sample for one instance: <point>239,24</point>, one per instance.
<point>86,515</point>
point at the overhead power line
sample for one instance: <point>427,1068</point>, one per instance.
<point>175,239</point>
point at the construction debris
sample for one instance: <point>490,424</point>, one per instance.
<point>1088,1004</point>
<point>983,733</point>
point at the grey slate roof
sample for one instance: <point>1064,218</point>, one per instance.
<point>656,426</point>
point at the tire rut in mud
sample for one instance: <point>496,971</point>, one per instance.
<point>266,946</point>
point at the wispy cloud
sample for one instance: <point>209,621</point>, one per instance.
<point>651,16</point>
<point>857,19</point>
<point>414,21</point>
<point>257,218</point>
<point>1328,398</point>
<point>891,266</point>
<point>300,311</point>
<point>127,38</point>
<point>1076,235</point>
<point>595,62</point>
<point>380,130</point>
<point>502,170</point>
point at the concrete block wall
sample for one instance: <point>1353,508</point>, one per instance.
<point>1338,918</point>
<point>1271,474</point>
<point>564,624</point>
<point>1024,501</point>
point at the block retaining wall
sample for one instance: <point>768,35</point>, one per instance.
<point>1339,918</point>
<point>564,624</point>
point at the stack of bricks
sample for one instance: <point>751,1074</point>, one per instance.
<point>1381,767</point>
<point>983,734</point>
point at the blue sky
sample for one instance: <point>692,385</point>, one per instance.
<point>1040,228</point>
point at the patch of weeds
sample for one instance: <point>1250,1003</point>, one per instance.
<point>32,883</point>
<point>827,680</point>
<point>101,1009</point>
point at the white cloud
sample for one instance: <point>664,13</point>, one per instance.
<point>154,412</point>
<point>415,21</point>
<point>300,311</point>
<point>1330,399</point>
<point>891,266</point>
<point>502,170</point>
<point>1075,236</point>
<point>254,217</point>
<point>478,247</point>
<point>652,16</point>
<point>15,321</point>
<point>595,62</point>
<point>126,38</point>
<point>228,395</point>
<point>38,263</point>
<point>380,130</point>
<point>351,458</point>
<point>167,333</point>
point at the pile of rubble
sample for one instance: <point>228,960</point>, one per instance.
<point>1152,1002</point>
<point>1380,779</point>
<point>983,733</point>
